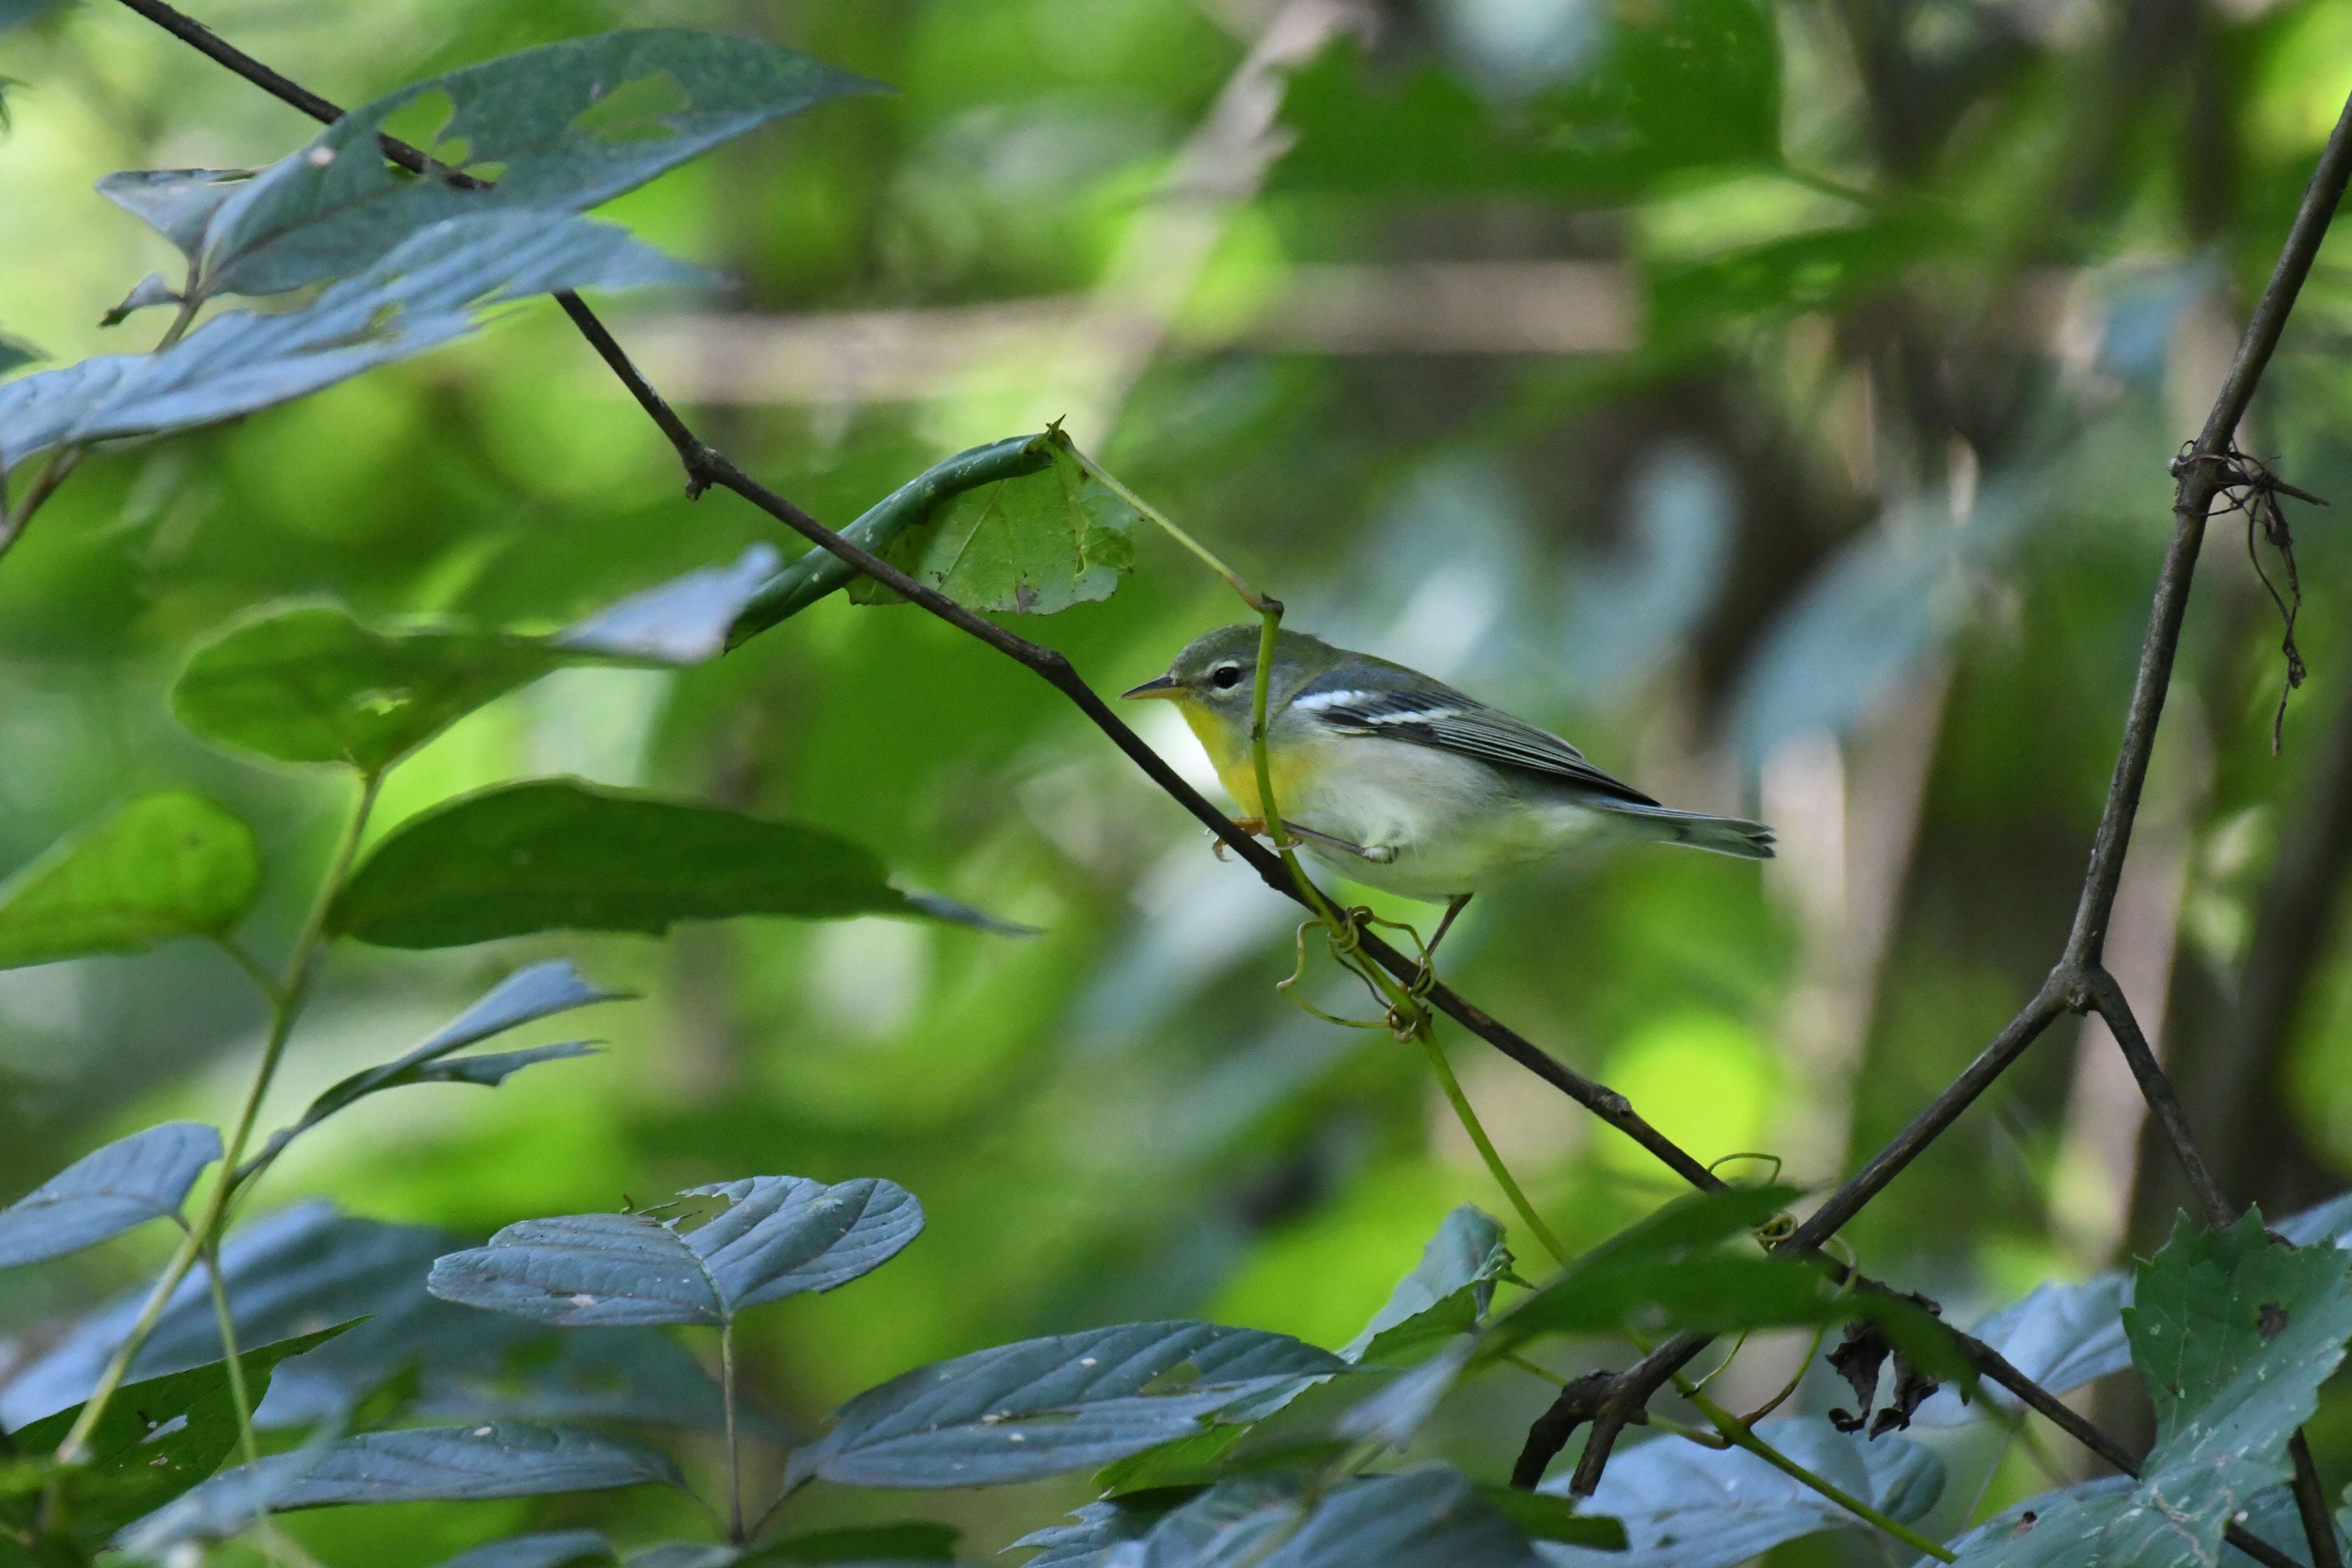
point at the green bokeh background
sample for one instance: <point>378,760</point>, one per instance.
<point>1851,521</point>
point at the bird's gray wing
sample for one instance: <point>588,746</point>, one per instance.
<point>1451,723</point>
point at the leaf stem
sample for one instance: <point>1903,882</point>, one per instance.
<point>1486,1151</point>
<point>1735,1430</point>
<point>1240,584</point>
<point>238,1394</point>
<point>292,992</point>
<point>734,1452</point>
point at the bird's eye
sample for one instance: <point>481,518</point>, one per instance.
<point>1225,677</point>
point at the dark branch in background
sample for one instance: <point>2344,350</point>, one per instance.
<point>2078,984</point>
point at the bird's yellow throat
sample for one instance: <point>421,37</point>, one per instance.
<point>1229,752</point>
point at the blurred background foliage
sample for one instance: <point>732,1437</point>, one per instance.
<point>1773,397</point>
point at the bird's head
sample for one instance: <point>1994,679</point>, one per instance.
<point>1217,672</point>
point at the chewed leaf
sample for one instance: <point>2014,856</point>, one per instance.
<point>144,1176</point>
<point>560,855</point>
<point>1043,1407</point>
<point>778,1237</point>
<point>1029,545</point>
<point>161,865</point>
<point>558,128</point>
<point>429,291</point>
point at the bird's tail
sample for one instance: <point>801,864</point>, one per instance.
<point>1720,835</point>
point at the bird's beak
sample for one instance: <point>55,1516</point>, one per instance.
<point>1158,685</point>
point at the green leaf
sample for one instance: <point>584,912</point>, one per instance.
<point>558,128</point>
<point>312,685</point>
<point>1030,545</point>
<point>777,1236</point>
<point>547,1549</point>
<point>156,1440</point>
<point>15,352</point>
<point>1040,1407</point>
<point>1429,1517</point>
<point>128,1182</point>
<point>560,855</point>
<point>2234,1334</point>
<point>1445,1295</point>
<point>910,1541</point>
<point>309,683</point>
<point>429,291</point>
<point>1676,85</point>
<point>1542,1518</point>
<point>161,865</point>
<point>175,203</point>
<point>819,572</point>
<point>1691,305</point>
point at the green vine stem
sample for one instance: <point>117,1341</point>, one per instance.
<point>1486,1145</point>
<point>286,1002</point>
<point>734,1450</point>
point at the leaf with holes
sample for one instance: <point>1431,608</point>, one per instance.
<point>2234,1333</point>
<point>157,866</point>
<point>130,1181</point>
<point>1445,1295</point>
<point>1029,545</point>
<point>560,855</point>
<point>156,1438</point>
<point>558,128</point>
<point>1042,1406</point>
<point>777,1236</point>
<point>431,289</point>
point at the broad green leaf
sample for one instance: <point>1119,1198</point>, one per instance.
<point>549,1549</point>
<point>431,1464</point>
<point>144,1176</point>
<point>1679,85</point>
<point>1683,1506</point>
<point>308,1265</point>
<point>819,572</point>
<point>158,867</point>
<point>1030,545</point>
<point>538,992</point>
<point>157,1439</point>
<point>2234,1334</point>
<point>313,685</point>
<point>777,1236</point>
<point>1042,1406</point>
<point>560,855</point>
<point>558,128</point>
<point>1556,1519</point>
<point>175,203</point>
<point>1393,1417</point>
<point>1445,1295</point>
<point>309,683</point>
<point>429,291</point>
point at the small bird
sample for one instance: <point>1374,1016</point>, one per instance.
<point>1400,782</point>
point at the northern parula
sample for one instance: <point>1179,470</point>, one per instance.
<point>1398,781</point>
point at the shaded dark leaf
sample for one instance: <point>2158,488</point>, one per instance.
<point>778,1237</point>
<point>914,1540</point>
<point>151,289</point>
<point>15,352</point>
<point>1542,1518</point>
<point>439,1464</point>
<point>144,1176</point>
<point>1102,1527</point>
<point>161,865</point>
<point>560,855</point>
<point>1043,1407</point>
<point>157,1439</point>
<point>1394,1415</point>
<point>1685,1505</point>
<point>566,125</point>
<point>1432,1518</point>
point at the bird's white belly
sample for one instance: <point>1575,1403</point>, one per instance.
<point>1452,824</point>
